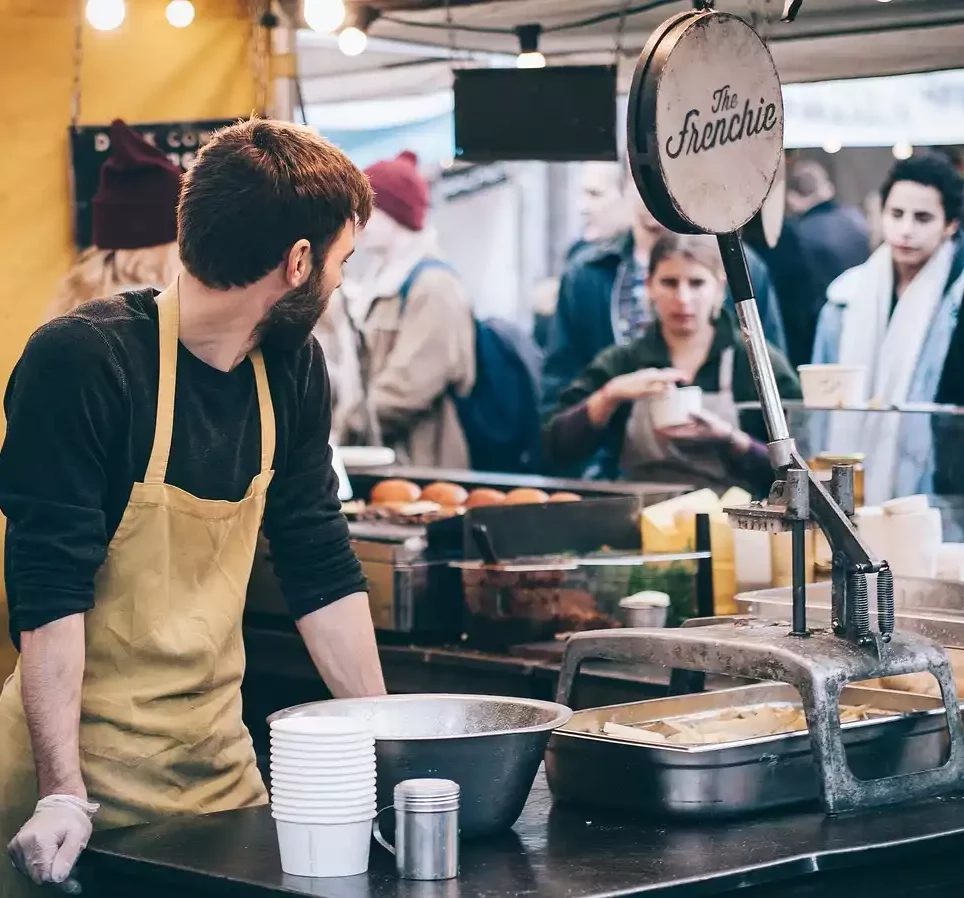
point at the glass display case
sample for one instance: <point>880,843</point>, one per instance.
<point>915,449</point>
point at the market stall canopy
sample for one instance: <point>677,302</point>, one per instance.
<point>410,51</point>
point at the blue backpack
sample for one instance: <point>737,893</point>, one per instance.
<point>500,417</point>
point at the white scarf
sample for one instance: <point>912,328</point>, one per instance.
<point>888,347</point>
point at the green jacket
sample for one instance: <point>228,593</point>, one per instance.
<point>651,351</point>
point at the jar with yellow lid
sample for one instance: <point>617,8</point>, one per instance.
<point>822,466</point>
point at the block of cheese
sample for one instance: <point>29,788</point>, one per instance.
<point>660,527</point>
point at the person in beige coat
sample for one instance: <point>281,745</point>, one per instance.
<point>416,327</point>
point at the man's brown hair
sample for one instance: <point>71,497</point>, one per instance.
<point>256,189</point>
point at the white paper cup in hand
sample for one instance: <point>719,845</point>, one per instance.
<point>324,850</point>
<point>675,406</point>
<point>833,386</point>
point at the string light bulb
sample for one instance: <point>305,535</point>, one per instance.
<point>903,150</point>
<point>529,56</point>
<point>180,13</point>
<point>324,16</point>
<point>353,38</point>
<point>352,41</point>
<point>105,15</point>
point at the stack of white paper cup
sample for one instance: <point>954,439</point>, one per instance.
<point>323,794</point>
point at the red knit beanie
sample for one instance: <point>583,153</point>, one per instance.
<point>136,201</point>
<point>400,191</point>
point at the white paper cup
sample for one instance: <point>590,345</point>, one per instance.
<point>324,850</point>
<point>325,778</point>
<point>913,543</point>
<point>358,811</point>
<point>321,742</point>
<point>330,793</point>
<point>321,754</point>
<point>351,774</point>
<point>321,802</point>
<point>950,562</point>
<point>321,727</point>
<point>676,406</point>
<point>307,765</point>
<point>301,779</point>
<point>833,386</point>
<point>905,505</point>
<point>334,816</point>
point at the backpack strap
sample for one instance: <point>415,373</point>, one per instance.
<point>420,266</point>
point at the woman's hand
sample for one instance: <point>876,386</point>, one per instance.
<point>707,427</point>
<point>640,384</point>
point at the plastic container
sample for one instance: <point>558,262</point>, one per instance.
<point>833,386</point>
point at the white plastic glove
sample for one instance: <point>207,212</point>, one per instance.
<point>49,843</point>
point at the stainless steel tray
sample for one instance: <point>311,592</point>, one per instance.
<point>931,608</point>
<point>587,768</point>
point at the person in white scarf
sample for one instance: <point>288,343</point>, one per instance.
<point>895,316</point>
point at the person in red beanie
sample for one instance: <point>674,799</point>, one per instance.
<point>418,334</point>
<point>135,225</point>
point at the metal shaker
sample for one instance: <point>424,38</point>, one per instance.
<point>426,829</point>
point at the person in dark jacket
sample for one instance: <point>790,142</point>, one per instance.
<point>820,241</point>
<point>602,301</point>
<point>693,340</point>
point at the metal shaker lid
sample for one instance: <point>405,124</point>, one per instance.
<point>427,795</point>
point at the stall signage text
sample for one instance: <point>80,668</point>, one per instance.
<point>725,128</point>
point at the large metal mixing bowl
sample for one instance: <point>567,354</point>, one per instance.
<point>490,746</point>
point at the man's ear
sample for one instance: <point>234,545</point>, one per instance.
<point>298,266</point>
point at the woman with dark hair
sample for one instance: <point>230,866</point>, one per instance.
<point>693,341</point>
<point>895,316</point>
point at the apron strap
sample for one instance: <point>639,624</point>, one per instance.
<point>168,318</point>
<point>726,370</point>
<point>266,410</point>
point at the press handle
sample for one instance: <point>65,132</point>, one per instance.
<point>377,832</point>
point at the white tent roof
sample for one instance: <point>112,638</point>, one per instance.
<point>831,39</point>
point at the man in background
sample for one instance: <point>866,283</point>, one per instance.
<point>821,239</point>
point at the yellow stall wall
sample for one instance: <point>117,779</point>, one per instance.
<point>145,71</point>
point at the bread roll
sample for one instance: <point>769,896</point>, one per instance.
<point>526,496</point>
<point>565,497</point>
<point>394,491</point>
<point>448,495</point>
<point>482,497</point>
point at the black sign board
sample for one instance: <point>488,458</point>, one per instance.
<point>90,147</point>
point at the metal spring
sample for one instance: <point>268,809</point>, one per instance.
<point>860,602</point>
<point>885,601</point>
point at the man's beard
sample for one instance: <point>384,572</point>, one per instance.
<point>289,323</point>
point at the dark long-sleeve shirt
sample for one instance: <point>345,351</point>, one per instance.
<point>81,408</point>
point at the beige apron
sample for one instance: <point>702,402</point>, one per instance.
<point>648,456</point>
<point>161,730</point>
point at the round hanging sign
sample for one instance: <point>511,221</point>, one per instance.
<point>705,123</point>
